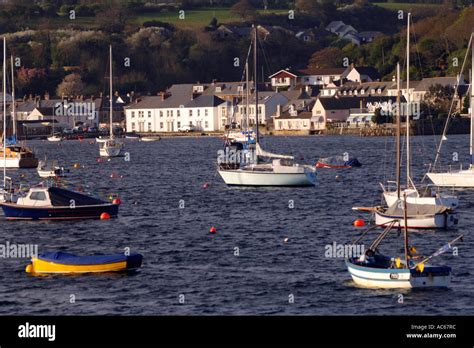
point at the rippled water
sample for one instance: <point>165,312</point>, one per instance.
<point>182,257</point>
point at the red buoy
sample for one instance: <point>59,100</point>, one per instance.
<point>117,201</point>
<point>359,223</point>
<point>104,216</point>
<point>212,230</point>
<point>206,185</point>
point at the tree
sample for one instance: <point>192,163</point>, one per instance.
<point>438,99</point>
<point>329,57</point>
<point>72,85</point>
<point>243,9</point>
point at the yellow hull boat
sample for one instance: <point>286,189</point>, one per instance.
<point>61,262</point>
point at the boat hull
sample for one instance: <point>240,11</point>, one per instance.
<point>42,266</point>
<point>13,211</point>
<point>391,198</point>
<point>19,163</point>
<point>110,151</point>
<point>240,177</point>
<point>399,278</point>
<point>463,178</point>
<point>437,221</point>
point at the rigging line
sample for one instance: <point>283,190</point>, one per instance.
<point>438,151</point>
<point>270,68</point>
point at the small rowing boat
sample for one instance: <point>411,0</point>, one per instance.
<point>338,162</point>
<point>61,262</point>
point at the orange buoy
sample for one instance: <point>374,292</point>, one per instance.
<point>117,201</point>
<point>104,216</point>
<point>212,230</point>
<point>359,223</point>
<point>77,165</point>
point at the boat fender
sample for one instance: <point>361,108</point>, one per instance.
<point>105,216</point>
<point>29,268</point>
<point>117,201</point>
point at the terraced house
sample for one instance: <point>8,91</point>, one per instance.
<point>180,105</point>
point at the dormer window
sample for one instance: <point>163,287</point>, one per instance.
<point>372,91</point>
<point>379,91</point>
<point>362,91</point>
<point>218,89</point>
<point>198,89</point>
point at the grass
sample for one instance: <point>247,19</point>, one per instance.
<point>195,19</point>
<point>395,6</point>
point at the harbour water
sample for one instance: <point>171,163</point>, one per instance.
<point>246,267</point>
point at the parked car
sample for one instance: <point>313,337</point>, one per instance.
<point>186,128</point>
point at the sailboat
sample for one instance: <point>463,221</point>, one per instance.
<point>373,269</point>
<point>14,155</point>
<point>281,171</point>
<point>110,147</point>
<point>461,177</point>
<point>419,216</point>
<point>54,137</point>
<point>427,195</point>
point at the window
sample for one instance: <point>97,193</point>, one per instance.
<point>206,124</point>
<point>206,112</point>
<point>38,196</point>
<point>149,126</point>
<point>224,111</point>
<point>280,124</point>
<point>190,113</point>
<point>199,112</point>
<point>178,124</point>
<point>133,126</point>
<point>161,125</point>
<point>161,113</point>
<point>191,123</point>
<point>259,110</point>
<point>141,113</point>
<point>133,114</point>
<point>178,113</point>
<point>171,112</point>
<point>167,113</point>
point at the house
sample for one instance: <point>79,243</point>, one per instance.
<point>267,107</point>
<point>367,89</point>
<point>369,36</point>
<point>180,105</point>
<point>343,31</point>
<point>337,109</point>
<point>293,120</point>
<point>423,87</point>
<point>320,76</point>
<point>361,74</point>
<point>284,79</point>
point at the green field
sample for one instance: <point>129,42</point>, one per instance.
<point>405,6</point>
<point>197,18</point>
<point>193,19</point>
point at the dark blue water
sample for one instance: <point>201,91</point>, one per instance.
<point>181,257</point>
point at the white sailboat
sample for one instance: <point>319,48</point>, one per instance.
<point>281,171</point>
<point>14,155</point>
<point>427,195</point>
<point>110,147</point>
<point>419,216</point>
<point>461,177</point>
<point>376,270</point>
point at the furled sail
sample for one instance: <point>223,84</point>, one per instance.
<point>261,152</point>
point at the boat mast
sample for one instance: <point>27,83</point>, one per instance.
<point>247,96</point>
<point>405,218</point>
<point>471,148</point>
<point>408,105</point>
<point>111,109</point>
<point>255,74</point>
<point>13,99</point>
<point>4,112</point>
<point>398,131</point>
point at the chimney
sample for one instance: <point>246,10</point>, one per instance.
<point>46,95</point>
<point>278,112</point>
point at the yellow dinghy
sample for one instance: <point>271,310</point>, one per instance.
<point>61,262</point>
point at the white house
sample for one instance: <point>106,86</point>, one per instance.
<point>169,112</point>
<point>267,107</point>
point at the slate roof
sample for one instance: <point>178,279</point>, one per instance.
<point>346,103</point>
